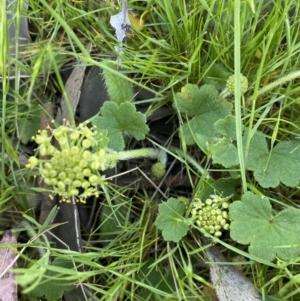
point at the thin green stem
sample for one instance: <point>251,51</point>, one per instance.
<point>237,89</point>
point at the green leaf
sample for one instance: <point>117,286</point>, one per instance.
<point>226,127</point>
<point>171,221</point>
<point>119,119</point>
<point>119,89</point>
<point>216,75</point>
<point>223,187</point>
<point>208,109</point>
<point>268,235</point>
<point>280,165</point>
<point>29,127</point>
<point>190,99</point>
<point>225,153</point>
<point>54,287</point>
<point>111,221</point>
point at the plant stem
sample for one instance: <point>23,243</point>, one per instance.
<point>136,153</point>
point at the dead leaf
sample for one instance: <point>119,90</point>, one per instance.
<point>230,283</point>
<point>72,90</point>
<point>120,22</point>
<point>8,287</point>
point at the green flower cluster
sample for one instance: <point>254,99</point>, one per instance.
<point>211,215</point>
<point>230,84</point>
<point>158,170</point>
<point>71,167</point>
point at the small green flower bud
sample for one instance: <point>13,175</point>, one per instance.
<point>33,162</point>
<point>43,150</point>
<point>224,214</point>
<point>52,173</point>
<point>219,218</point>
<point>208,202</point>
<point>47,180</point>
<point>53,182</point>
<point>42,138</point>
<point>85,184</point>
<point>86,155</point>
<point>225,205</point>
<point>158,170</point>
<point>65,153</point>
<point>76,158</point>
<point>72,175</point>
<point>54,161</point>
<point>77,169</point>
<point>74,150</point>
<point>75,135</point>
<point>48,165</point>
<point>95,165</point>
<point>77,183</point>
<point>74,192</point>
<point>63,142</point>
<point>51,150</point>
<point>226,227</point>
<point>87,172</point>
<point>86,143</point>
<point>44,172</point>
<point>61,185</point>
<point>218,234</point>
<point>62,175</point>
<point>223,222</point>
<point>83,163</point>
<point>67,181</point>
<point>194,212</point>
<point>94,180</point>
<point>79,176</point>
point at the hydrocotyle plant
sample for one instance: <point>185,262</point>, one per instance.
<point>71,159</point>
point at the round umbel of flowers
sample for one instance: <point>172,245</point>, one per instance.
<point>211,215</point>
<point>243,83</point>
<point>69,160</point>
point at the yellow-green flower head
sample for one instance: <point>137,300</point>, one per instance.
<point>72,167</point>
<point>211,215</point>
<point>243,83</point>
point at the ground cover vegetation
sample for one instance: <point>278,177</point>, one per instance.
<point>150,150</point>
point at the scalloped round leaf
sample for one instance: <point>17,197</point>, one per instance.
<point>207,108</point>
<point>269,236</point>
<point>171,221</point>
<point>280,165</point>
<point>194,100</point>
<point>226,127</point>
<point>117,119</point>
<point>225,153</point>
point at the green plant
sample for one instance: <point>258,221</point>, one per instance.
<point>228,143</point>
